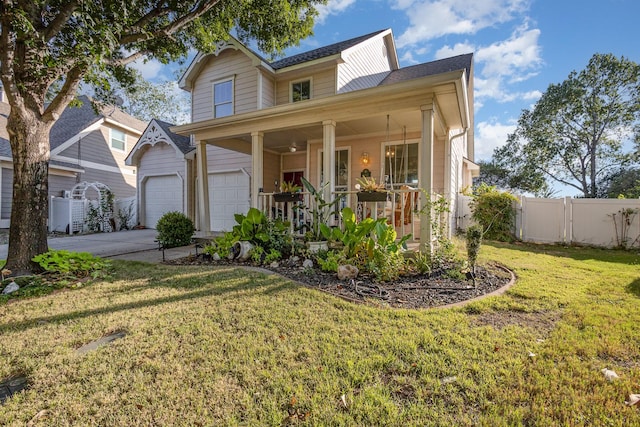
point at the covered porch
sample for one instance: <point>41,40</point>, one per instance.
<point>401,135</point>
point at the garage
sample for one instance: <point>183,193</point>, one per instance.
<point>228,195</point>
<point>162,194</point>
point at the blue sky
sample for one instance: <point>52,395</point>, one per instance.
<point>520,46</point>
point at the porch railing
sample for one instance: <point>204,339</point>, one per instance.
<point>401,208</point>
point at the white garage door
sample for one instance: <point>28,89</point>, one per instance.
<point>162,194</point>
<point>228,195</point>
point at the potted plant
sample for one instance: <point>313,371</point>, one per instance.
<point>318,229</point>
<point>288,192</point>
<point>370,191</point>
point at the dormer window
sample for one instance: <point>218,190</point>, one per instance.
<point>300,90</point>
<point>223,98</point>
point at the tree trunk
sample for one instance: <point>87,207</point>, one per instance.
<point>29,137</point>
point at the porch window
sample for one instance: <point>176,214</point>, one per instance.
<point>341,168</point>
<point>223,98</point>
<point>401,164</point>
<point>118,140</point>
<point>300,90</point>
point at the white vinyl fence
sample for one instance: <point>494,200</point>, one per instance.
<point>596,222</point>
<point>69,216</point>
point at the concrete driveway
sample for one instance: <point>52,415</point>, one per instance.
<point>134,245</point>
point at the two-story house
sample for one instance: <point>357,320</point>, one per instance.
<point>332,114</point>
<point>85,146</point>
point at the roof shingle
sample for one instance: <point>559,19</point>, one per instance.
<point>460,62</point>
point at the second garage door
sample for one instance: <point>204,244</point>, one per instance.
<point>228,195</point>
<point>162,194</point>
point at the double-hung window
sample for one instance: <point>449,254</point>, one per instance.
<point>300,90</point>
<point>223,98</point>
<point>118,140</point>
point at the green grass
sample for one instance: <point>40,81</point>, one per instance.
<point>227,347</point>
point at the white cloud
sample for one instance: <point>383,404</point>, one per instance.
<point>333,7</point>
<point>457,49</point>
<point>519,54</point>
<point>489,136</point>
<point>149,69</point>
<point>431,19</point>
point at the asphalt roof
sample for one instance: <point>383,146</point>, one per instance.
<point>181,141</point>
<point>460,62</point>
<point>74,120</point>
<point>321,52</point>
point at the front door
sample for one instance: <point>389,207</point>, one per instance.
<point>294,177</point>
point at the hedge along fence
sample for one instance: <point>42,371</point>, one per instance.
<point>595,222</point>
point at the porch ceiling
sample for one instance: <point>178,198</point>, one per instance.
<point>357,113</point>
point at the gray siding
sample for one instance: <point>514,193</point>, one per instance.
<point>59,183</point>
<point>119,184</point>
<point>7,193</point>
<point>365,67</point>
<point>95,147</point>
<point>229,63</point>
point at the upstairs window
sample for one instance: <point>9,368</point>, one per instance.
<point>118,140</point>
<point>300,90</point>
<point>223,98</point>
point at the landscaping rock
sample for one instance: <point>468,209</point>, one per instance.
<point>216,257</point>
<point>347,272</point>
<point>274,264</point>
<point>11,287</point>
<point>307,263</point>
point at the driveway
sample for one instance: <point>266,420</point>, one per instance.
<point>130,244</point>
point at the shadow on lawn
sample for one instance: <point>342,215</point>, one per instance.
<point>578,253</point>
<point>261,283</point>
<point>634,288</point>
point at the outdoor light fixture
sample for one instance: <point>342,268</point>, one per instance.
<point>365,158</point>
<point>293,147</point>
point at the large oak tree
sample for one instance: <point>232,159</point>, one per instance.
<point>576,132</point>
<point>59,43</point>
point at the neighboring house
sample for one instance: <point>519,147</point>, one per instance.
<point>327,115</point>
<point>85,146</point>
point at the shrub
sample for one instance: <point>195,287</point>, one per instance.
<point>174,229</point>
<point>474,240</point>
<point>494,211</point>
<point>79,264</point>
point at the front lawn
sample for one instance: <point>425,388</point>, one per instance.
<point>230,347</point>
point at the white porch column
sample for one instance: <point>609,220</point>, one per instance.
<point>329,158</point>
<point>425,175</point>
<point>257,165</point>
<point>204,216</point>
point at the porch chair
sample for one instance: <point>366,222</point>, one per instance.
<point>405,206</point>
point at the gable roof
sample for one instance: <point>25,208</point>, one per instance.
<point>321,52</point>
<point>196,65</point>
<point>74,120</point>
<point>159,131</point>
<point>455,63</point>
<point>182,142</point>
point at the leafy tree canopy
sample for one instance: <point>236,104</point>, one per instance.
<point>48,47</point>
<point>622,183</point>
<point>527,181</point>
<point>576,132</point>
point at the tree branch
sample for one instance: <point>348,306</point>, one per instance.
<point>65,95</point>
<point>172,27</point>
<point>58,22</point>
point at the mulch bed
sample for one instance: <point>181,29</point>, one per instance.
<point>409,291</point>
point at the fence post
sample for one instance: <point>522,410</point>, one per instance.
<point>568,219</point>
<point>523,218</point>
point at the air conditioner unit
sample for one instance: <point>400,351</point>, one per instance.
<point>66,194</point>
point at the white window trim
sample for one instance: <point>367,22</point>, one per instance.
<point>124,150</point>
<point>305,79</point>
<point>231,79</point>
<point>346,148</point>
